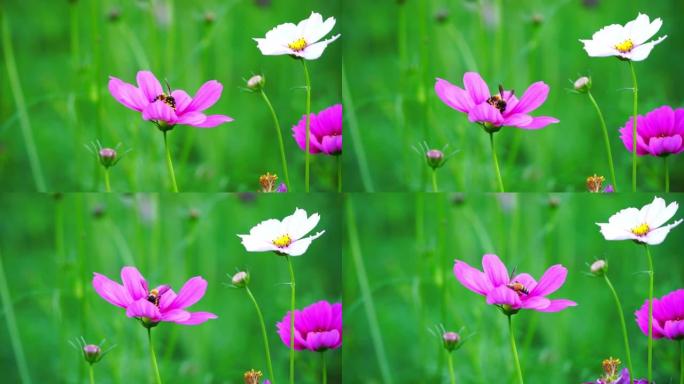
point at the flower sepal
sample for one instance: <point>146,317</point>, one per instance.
<point>147,322</point>
<point>508,310</point>
<point>491,128</point>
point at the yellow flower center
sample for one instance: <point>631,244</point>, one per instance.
<point>641,230</point>
<point>298,45</point>
<point>282,241</point>
<point>625,46</point>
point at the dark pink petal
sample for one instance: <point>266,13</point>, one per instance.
<point>626,136</point>
<point>160,111</point>
<point>127,94</point>
<point>533,97</point>
<point>143,308</point>
<point>213,120</point>
<point>176,315</point>
<point>182,100</point>
<point>472,278</point>
<point>679,121</point>
<point>191,292</point>
<point>658,146</point>
<point>111,291</point>
<point>191,118</point>
<point>517,120</point>
<point>134,283</point>
<point>336,321</point>
<point>332,145</point>
<point>540,122</point>
<point>149,85</point>
<point>299,134</point>
<point>453,96</point>
<point>495,270</point>
<point>661,120</point>
<point>558,305</point>
<point>485,113</point>
<point>317,341</point>
<point>166,299</point>
<point>674,329</point>
<point>553,278</point>
<point>476,87</point>
<point>197,318</point>
<point>642,319</point>
<point>502,295</point>
<point>284,332</point>
<point>535,302</point>
<point>206,96</point>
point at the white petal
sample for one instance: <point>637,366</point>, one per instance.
<point>268,230</point>
<point>272,48</point>
<point>598,49</point>
<point>297,248</point>
<point>257,244</point>
<point>314,51</point>
<point>643,32</point>
<point>298,225</point>
<point>610,35</point>
<point>313,33</point>
<point>639,24</point>
<point>642,51</point>
<point>627,218</point>
<point>657,236</point>
<point>614,232</point>
<point>283,34</point>
<point>657,214</point>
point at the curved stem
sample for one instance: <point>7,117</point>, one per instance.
<point>452,375</point>
<point>169,165</point>
<point>339,173</point>
<point>264,334</point>
<point>667,175</point>
<point>153,357</point>
<point>496,163</point>
<point>624,328</point>
<point>515,351</point>
<point>324,369</point>
<point>307,155</point>
<point>434,180</point>
<point>650,314</point>
<point>634,130</point>
<point>292,318</point>
<point>91,374</point>
<point>108,187</point>
<point>606,140</point>
<point>281,144</point>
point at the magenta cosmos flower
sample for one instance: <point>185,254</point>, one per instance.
<point>659,133</point>
<point>155,305</point>
<point>168,109</point>
<point>668,316</point>
<point>512,294</point>
<point>498,110</point>
<point>325,131</point>
<point>318,327</point>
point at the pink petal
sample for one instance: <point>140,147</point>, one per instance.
<point>533,97</point>
<point>476,87</point>
<point>526,280</point>
<point>536,303</point>
<point>540,122</point>
<point>149,85</point>
<point>485,113</point>
<point>127,94</point>
<point>517,120</point>
<point>472,278</point>
<point>182,100</point>
<point>111,291</point>
<point>323,340</point>
<point>553,278</point>
<point>191,292</point>
<point>502,295</point>
<point>206,96</point>
<point>213,120</point>
<point>191,118</point>
<point>176,315</point>
<point>558,305</point>
<point>453,96</point>
<point>143,308</point>
<point>160,111</point>
<point>496,270</point>
<point>134,283</point>
<point>197,318</point>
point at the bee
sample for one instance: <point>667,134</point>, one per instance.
<point>153,297</point>
<point>518,288</point>
<point>167,98</point>
<point>497,101</point>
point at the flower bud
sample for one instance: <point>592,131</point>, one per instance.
<point>435,158</point>
<point>252,376</point>
<point>240,279</point>
<point>599,267</point>
<point>91,352</point>
<point>583,84</point>
<point>594,183</point>
<point>268,182</point>
<point>209,17</point>
<point>256,82</point>
<point>451,340</point>
<point>107,157</point>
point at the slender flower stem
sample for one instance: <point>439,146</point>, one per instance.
<point>634,133</point>
<point>650,314</point>
<point>681,362</point>
<point>169,165</point>
<point>283,158</point>
<point>515,351</point>
<point>153,357</point>
<point>325,368</point>
<point>496,163</point>
<point>606,140</point>
<point>12,329</point>
<point>307,155</point>
<point>452,375</point>
<point>91,374</point>
<point>108,187</point>
<point>292,318</point>
<point>339,173</point>
<point>667,175</point>
<point>355,135</point>
<point>434,181</point>
<point>624,328</point>
<point>264,335</point>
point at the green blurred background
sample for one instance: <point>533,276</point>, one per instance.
<point>50,247</point>
<point>406,257</point>
<point>391,65</point>
<point>65,52</point>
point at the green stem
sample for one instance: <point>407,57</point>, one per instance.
<point>325,368</point>
<point>452,375</point>
<point>108,187</point>
<point>515,351</point>
<point>18,94</point>
<point>681,362</point>
<point>354,132</point>
<point>153,356</point>
<point>624,328</point>
<point>281,144</point>
<point>650,314</point>
<point>91,374</point>
<point>307,155</point>
<point>434,181</point>
<point>339,173</point>
<point>667,175</point>
<point>496,163</point>
<point>292,318</point>
<point>169,165</point>
<point>264,335</point>
<point>634,130</point>
<point>12,329</point>
<point>606,140</point>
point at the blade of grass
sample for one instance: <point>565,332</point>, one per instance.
<point>355,135</point>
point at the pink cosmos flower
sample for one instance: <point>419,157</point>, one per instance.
<point>318,327</point>
<point>498,110</point>
<point>513,293</point>
<point>168,109</point>
<point>155,305</point>
<point>659,133</point>
<point>668,316</point>
<point>325,131</point>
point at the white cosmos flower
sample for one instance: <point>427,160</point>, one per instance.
<point>284,237</point>
<point>301,40</point>
<point>627,42</point>
<point>643,225</point>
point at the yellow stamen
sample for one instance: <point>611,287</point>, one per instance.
<point>252,377</point>
<point>641,230</point>
<point>298,45</point>
<point>282,241</point>
<point>625,46</point>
